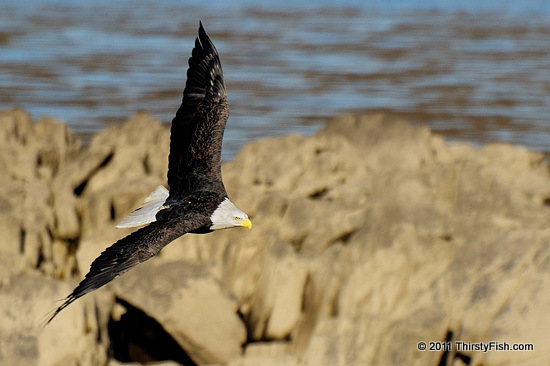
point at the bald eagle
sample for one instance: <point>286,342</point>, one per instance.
<point>197,201</point>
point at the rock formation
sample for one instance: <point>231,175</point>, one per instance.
<point>369,237</point>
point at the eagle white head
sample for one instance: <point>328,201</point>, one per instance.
<point>228,215</point>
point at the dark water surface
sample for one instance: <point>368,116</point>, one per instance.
<point>475,72</point>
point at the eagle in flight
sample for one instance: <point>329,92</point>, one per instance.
<point>197,201</point>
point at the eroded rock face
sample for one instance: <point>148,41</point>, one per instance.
<point>369,237</point>
<point>31,154</point>
<point>191,306</point>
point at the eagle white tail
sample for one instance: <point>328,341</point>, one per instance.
<point>146,213</point>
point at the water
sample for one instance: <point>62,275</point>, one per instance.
<point>475,71</point>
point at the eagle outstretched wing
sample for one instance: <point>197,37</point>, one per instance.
<point>134,249</point>
<point>197,129</point>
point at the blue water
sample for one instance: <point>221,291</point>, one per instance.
<point>475,71</point>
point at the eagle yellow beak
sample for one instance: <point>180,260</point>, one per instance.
<point>247,223</point>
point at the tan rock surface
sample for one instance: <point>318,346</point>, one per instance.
<point>416,239</point>
<point>368,238</point>
<point>77,338</point>
<point>190,305</point>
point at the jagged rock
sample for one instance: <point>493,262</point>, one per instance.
<point>267,354</point>
<point>10,248</point>
<point>25,301</point>
<point>277,303</point>
<point>422,236</point>
<point>31,155</point>
<point>58,145</point>
<point>373,340</point>
<point>41,148</point>
<point>190,305</point>
<point>133,161</point>
<point>382,139</point>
